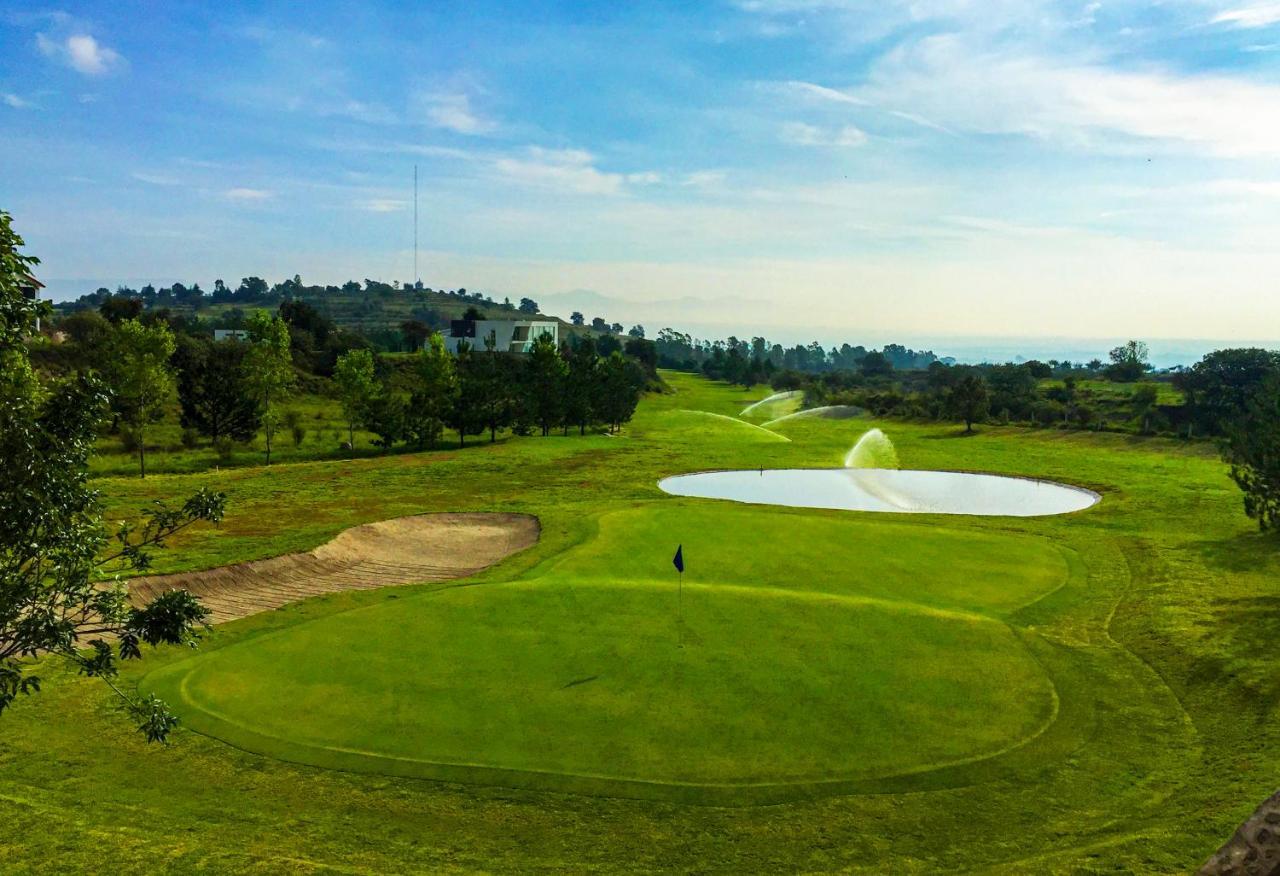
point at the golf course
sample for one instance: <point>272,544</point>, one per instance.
<point>820,688</point>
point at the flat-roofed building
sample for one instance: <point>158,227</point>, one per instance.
<point>504,335</point>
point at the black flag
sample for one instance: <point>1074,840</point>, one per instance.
<point>678,559</point>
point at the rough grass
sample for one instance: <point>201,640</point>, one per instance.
<point>1160,645</point>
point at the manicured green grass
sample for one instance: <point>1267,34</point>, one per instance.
<point>827,669</point>
<point>1153,616</point>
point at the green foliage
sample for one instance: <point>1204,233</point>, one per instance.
<point>1220,386</point>
<point>54,547</point>
<point>140,377</point>
<point>212,389</point>
<point>546,372</point>
<point>1128,362</point>
<point>969,399</point>
<point>1253,449</point>
<point>268,368</point>
<point>357,385</point>
<point>435,392</point>
<point>875,364</point>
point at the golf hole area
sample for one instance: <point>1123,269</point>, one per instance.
<point>886,491</point>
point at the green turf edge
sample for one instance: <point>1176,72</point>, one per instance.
<point>169,682</point>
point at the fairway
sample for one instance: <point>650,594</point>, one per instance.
<point>865,657</point>
<point>1085,691</point>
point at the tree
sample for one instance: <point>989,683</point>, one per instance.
<point>545,372</point>
<point>88,328</point>
<point>577,318</point>
<point>1013,388</point>
<point>1144,400</point>
<point>268,369</point>
<point>384,416</point>
<point>354,376</point>
<point>434,394</point>
<point>140,378</point>
<point>1039,370</point>
<point>619,384</point>
<point>1218,387</point>
<point>1128,362</point>
<point>636,331</point>
<point>528,305</point>
<point>968,399</point>
<point>1253,450</point>
<point>212,391</point>
<point>117,310</point>
<point>415,333</point>
<point>580,395</point>
<point>875,364</point>
<point>54,547</point>
<point>498,377</point>
<point>468,414</point>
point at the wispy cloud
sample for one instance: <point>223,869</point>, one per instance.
<point>81,52</point>
<point>814,92</point>
<point>14,101</point>
<point>568,169</point>
<point>155,179</point>
<point>382,205</point>
<point>801,134</point>
<point>1256,15</point>
<point>1082,105</point>
<point>452,111</point>
<point>248,196</point>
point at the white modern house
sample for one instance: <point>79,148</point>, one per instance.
<point>503,335</point>
<point>31,287</point>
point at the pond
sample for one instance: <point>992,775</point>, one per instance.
<point>886,490</point>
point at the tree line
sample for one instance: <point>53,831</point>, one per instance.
<point>747,363</point>
<point>1231,396</point>
<point>231,391</point>
<point>478,391</point>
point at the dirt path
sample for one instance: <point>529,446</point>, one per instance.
<point>405,550</point>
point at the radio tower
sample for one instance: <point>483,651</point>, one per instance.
<point>415,227</point>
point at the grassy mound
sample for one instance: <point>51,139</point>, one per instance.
<point>861,659</point>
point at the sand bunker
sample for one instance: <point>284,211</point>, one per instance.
<point>406,550</point>
<point>886,490</point>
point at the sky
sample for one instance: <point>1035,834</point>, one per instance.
<point>837,168</point>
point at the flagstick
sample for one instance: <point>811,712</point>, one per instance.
<point>680,609</point>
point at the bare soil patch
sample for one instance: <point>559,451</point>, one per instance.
<point>404,550</point>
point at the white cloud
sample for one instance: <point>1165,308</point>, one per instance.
<point>801,134</point>
<point>453,112</point>
<point>644,178</point>
<point>944,78</point>
<point>820,93</point>
<point>703,179</point>
<point>1257,15</point>
<point>81,52</point>
<point>243,195</point>
<point>155,179</point>
<point>12,100</point>
<point>382,205</point>
<point>567,169</point>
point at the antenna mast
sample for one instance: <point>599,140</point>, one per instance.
<point>415,226</point>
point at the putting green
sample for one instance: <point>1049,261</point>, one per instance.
<point>858,652</point>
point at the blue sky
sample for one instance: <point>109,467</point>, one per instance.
<point>862,168</point>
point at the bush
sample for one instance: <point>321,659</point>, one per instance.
<point>190,438</point>
<point>224,447</point>
<point>129,440</point>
